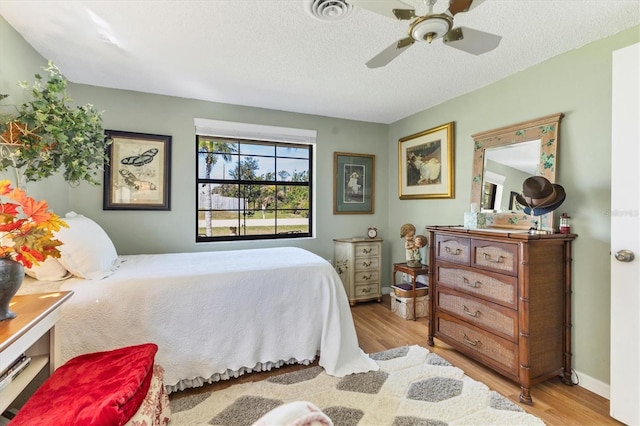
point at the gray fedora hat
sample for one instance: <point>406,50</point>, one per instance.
<point>540,196</point>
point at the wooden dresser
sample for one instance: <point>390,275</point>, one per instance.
<point>358,263</point>
<point>504,299</point>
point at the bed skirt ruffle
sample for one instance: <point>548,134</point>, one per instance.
<point>230,374</point>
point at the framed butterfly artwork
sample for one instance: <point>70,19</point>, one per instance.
<point>138,176</point>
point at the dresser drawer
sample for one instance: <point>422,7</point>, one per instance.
<point>366,264</point>
<point>366,290</point>
<point>495,256</point>
<point>365,250</point>
<point>452,249</point>
<point>486,315</point>
<point>500,352</point>
<point>364,277</point>
<point>490,286</point>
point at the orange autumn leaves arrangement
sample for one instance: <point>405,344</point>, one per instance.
<point>26,227</point>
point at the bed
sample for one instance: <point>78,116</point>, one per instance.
<point>213,315</point>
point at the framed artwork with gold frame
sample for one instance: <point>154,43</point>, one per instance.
<point>425,164</point>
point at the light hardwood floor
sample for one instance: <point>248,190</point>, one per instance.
<point>378,329</point>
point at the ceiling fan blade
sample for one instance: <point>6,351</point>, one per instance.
<point>471,41</point>
<point>390,53</point>
<point>458,6</point>
<point>394,9</point>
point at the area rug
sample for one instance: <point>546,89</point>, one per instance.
<point>412,387</point>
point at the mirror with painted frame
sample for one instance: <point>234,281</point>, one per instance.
<point>503,158</point>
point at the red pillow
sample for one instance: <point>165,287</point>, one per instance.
<point>101,388</point>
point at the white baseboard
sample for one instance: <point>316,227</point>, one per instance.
<point>594,385</point>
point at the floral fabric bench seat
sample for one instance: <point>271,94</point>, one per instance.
<point>118,387</point>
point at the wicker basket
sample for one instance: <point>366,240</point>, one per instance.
<point>404,290</point>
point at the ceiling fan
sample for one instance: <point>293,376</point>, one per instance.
<point>429,27</point>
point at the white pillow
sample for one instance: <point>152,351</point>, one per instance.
<point>49,270</point>
<point>86,250</point>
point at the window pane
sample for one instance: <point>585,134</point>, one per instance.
<point>215,166</point>
<point>259,222</point>
<point>293,201</point>
<point>206,144</point>
<point>290,169</point>
<point>292,152</point>
<point>225,223</point>
<point>218,197</point>
<point>257,149</point>
<point>293,221</point>
<point>265,197</point>
<point>254,168</point>
<point>222,223</point>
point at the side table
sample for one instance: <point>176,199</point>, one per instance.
<point>31,332</point>
<point>413,272</point>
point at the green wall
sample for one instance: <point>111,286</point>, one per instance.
<point>577,83</point>
<point>170,231</point>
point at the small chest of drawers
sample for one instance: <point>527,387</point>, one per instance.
<point>503,299</point>
<point>358,263</point>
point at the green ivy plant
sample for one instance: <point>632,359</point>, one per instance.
<point>48,134</point>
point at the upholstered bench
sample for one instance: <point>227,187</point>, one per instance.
<point>117,387</point>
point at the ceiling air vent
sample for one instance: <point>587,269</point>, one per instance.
<point>328,10</point>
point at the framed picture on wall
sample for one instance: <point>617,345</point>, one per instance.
<point>353,183</point>
<point>425,164</point>
<point>138,176</point>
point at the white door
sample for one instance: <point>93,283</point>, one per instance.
<point>625,235</point>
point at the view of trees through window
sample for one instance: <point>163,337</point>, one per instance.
<point>250,189</point>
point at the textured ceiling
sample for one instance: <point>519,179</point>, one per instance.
<point>273,54</point>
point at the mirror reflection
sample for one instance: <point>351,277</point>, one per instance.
<point>505,168</point>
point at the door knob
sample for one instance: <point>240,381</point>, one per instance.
<point>625,256</point>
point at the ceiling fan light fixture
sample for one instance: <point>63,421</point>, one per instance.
<point>430,27</point>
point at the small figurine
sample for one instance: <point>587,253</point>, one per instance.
<point>418,242</point>
<point>412,245</point>
<point>408,231</point>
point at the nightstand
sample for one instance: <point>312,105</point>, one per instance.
<point>31,332</point>
<point>413,273</point>
<point>358,263</point>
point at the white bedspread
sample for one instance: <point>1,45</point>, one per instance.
<point>215,314</point>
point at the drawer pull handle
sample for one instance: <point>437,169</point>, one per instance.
<point>366,264</point>
<point>468,312</point>
<point>366,277</point>
<point>455,252</point>
<point>488,258</point>
<point>469,341</point>
<point>475,284</point>
<point>366,251</point>
<point>366,290</point>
